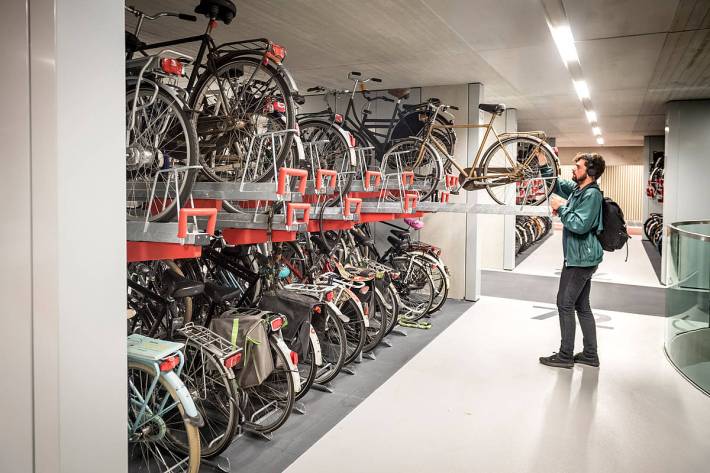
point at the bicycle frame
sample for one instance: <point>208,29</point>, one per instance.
<point>470,175</point>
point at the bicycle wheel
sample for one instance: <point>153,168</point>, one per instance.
<point>402,156</point>
<point>307,369</point>
<point>334,154</point>
<point>159,137</point>
<point>415,287</point>
<point>214,393</point>
<point>509,180</point>
<point>333,342</point>
<point>166,440</point>
<point>237,105</point>
<point>377,318</point>
<point>355,330</point>
<point>268,405</point>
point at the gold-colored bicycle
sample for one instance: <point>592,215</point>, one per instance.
<point>507,168</point>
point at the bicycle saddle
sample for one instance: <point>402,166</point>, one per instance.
<point>179,286</point>
<point>133,44</point>
<point>497,108</point>
<point>401,94</point>
<point>221,10</point>
<point>218,293</point>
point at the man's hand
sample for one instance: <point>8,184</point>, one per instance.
<point>541,158</point>
<point>556,202</point>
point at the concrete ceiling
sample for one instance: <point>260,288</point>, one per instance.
<point>635,54</point>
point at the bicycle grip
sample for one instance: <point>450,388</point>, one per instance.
<point>375,79</point>
<point>186,17</point>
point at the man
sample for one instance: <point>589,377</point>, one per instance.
<point>578,203</point>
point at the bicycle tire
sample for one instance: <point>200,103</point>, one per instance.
<point>236,63</point>
<point>166,149</point>
<point>285,399</point>
<point>307,370</point>
<point>333,346</point>
<point>527,140</point>
<point>192,435</point>
<point>216,404</point>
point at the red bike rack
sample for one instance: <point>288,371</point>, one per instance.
<point>196,212</point>
<point>330,174</point>
<point>347,207</point>
<point>301,174</point>
<point>291,209</point>
<point>452,181</point>
<point>407,178</point>
<point>369,175</point>
<point>411,199</point>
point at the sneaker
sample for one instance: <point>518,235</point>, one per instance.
<point>586,359</point>
<point>555,361</point>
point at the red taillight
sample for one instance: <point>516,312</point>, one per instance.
<point>329,296</point>
<point>275,107</point>
<point>171,66</point>
<point>277,323</point>
<point>338,118</point>
<point>276,53</point>
<point>294,358</point>
<point>233,360</point>
<point>170,363</point>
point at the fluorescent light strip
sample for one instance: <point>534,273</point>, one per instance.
<point>591,116</point>
<point>582,89</point>
<point>565,43</point>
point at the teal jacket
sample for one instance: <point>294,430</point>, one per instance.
<point>582,221</point>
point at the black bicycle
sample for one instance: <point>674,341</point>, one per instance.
<point>240,93</point>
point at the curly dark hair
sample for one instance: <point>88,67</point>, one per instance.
<point>595,164</point>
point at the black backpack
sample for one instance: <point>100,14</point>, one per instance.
<point>614,235</point>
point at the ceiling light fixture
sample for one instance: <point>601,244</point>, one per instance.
<point>591,116</point>
<point>565,43</point>
<point>582,89</point>
<point>600,140</point>
<point>597,131</point>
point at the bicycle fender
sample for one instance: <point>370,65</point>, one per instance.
<point>281,345</point>
<point>183,394</point>
<point>317,352</point>
<point>344,318</point>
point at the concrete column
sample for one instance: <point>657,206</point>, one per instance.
<point>63,239</point>
<point>473,247</point>
<point>686,192</point>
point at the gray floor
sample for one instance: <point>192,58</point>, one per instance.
<point>325,410</point>
<point>477,400</point>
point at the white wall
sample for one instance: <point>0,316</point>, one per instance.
<point>687,193</point>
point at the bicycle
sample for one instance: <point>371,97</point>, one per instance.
<point>239,92</point>
<point>163,420</point>
<point>509,160</point>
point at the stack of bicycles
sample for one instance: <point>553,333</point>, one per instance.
<point>654,189</point>
<point>227,343</point>
<point>653,229</point>
<point>530,230</point>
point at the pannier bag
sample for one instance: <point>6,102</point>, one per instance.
<point>247,328</point>
<point>298,309</point>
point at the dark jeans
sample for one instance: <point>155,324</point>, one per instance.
<point>575,284</point>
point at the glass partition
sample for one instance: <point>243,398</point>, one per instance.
<point>688,301</point>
